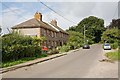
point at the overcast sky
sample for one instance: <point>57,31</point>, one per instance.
<point>15,12</point>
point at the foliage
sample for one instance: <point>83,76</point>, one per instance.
<point>64,48</point>
<point>111,36</point>
<point>53,51</point>
<point>16,46</point>
<point>15,38</point>
<point>38,40</point>
<point>94,28</point>
<point>114,45</point>
<point>113,55</point>
<point>75,39</point>
<point>22,60</point>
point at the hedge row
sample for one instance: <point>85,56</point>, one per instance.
<point>15,46</point>
<point>16,52</point>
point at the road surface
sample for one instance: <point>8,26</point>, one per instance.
<point>79,64</point>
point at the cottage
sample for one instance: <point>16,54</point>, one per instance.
<point>37,27</point>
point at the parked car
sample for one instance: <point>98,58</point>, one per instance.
<point>86,46</point>
<point>107,46</point>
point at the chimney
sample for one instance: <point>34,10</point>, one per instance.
<point>53,22</point>
<point>38,16</point>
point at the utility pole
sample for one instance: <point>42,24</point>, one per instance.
<point>9,30</point>
<point>84,34</point>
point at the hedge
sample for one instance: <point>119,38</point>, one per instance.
<point>15,47</point>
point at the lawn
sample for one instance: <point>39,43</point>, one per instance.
<point>113,55</point>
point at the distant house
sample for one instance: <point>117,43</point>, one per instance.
<point>36,27</point>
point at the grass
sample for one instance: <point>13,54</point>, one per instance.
<point>113,55</point>
<point>11,63</point>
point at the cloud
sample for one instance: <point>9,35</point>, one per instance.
<point>0,14</point>
<point>106,10</point>
<point>75,12</point>
<point>10,18</point>
<point>77,8</point>
<point>119,9</point>
<point>64,24</point>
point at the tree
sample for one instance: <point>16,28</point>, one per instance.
<point>94,28</point>
<point>0,30</point>
<point>75,39</point>
<point>39,40</point>
<point>110,35</point>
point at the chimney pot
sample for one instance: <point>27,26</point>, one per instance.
<point>54,22</point>
<point>38,16</point>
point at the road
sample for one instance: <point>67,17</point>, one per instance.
<point>79,64</point>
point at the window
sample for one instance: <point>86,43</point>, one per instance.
<point>48,32</point>
<point>61,35</point>
<point>55,34</point>
<point>52,34</point>
<point>44,32</point>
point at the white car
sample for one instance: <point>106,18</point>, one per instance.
<point>107,46</point>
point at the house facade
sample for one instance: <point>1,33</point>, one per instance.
<point>55,36</point>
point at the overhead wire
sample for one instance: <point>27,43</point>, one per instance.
<point>56,12</point>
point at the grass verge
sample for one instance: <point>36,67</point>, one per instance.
<point>113,55</point>
<point>11,63</point>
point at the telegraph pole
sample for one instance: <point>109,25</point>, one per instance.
<point>84,34</point>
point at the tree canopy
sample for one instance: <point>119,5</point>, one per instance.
<point>110,35</point>
<point>94,28</point>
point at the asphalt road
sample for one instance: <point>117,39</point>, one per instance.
<point>83,63</point>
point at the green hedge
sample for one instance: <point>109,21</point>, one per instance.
<point>15,47</point>
<point>53,51</point>
<point>114,45</point>
<point>64,48</point>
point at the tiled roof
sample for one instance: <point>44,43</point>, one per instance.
<point>33,23</point>
<point>61,29</point>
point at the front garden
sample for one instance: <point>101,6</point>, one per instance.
<point>18,49</point>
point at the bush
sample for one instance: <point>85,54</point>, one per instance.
<point>76,40</point>
<point>16,52</point>
<point>64,48</point>
<point>114,45</point>
<point>53,51</point>
<point>43,55</point>
<point>15,47</point>
<point>110,35</point>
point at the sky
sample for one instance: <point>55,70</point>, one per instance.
<point>17,11</point>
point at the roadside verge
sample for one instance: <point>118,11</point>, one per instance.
<point>29,63</point>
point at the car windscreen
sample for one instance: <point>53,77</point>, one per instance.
<point>106,45</point>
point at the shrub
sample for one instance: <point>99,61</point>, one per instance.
<point>38,51</point>
<point>64,48</point>
<point>114,45</point>
<point>43,55</point>
<point>16,52</point>
<point>110,35</point>
<point>15,47</point>
<point>53,51</point>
